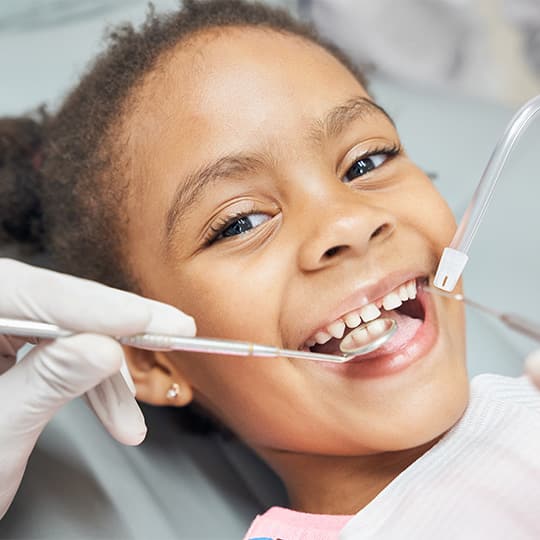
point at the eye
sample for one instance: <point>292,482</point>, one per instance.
<point>370,161</point>
<point>364,165</point>
<point>237,225</point>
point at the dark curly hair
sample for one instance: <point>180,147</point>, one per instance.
<point>63,175</point>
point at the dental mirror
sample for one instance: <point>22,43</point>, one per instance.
<point>362,340</point>
<point>368,337</point>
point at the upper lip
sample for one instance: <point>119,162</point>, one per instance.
<point>370,291</point>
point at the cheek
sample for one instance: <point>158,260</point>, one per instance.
<point>421,206</point>
<point>427,212</point>
<point>233,297</point>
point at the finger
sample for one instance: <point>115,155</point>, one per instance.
<point>52,374</point>
<point>532,367</point>
<point>114,404</point>
<point>166,319</point>
<point>83,305</point>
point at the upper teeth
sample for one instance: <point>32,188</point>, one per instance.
<point>367,313</point>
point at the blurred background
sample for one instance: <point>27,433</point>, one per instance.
<point>482,48</point>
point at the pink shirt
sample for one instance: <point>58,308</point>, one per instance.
<point>283,524</point>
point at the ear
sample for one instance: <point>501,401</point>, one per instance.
<point>157,380</point>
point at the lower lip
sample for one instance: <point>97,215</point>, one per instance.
<point>381,365</point>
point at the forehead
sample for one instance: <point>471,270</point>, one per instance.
<point>238,83</point>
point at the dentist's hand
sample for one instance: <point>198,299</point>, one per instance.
<point>532,367</point>
<point>56,372</point>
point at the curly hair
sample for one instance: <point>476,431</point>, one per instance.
<point>63,175</point>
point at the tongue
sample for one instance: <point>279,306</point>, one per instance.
<point>406,329</point>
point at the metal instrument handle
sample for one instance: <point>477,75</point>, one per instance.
<point>520,324</point>
<point>15,327</point>
<point>160,342</point>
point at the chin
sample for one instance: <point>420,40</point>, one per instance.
<point>428,407</point>
<point>413,408</point>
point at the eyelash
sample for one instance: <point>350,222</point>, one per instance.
<point>389,151</point>
<point>224,222</point>
<point>218,228</point>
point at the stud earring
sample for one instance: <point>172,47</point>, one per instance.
<point>173,391</point>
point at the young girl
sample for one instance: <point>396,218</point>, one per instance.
<point>225,160</point>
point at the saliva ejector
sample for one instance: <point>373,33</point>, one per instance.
<point>455,256</point>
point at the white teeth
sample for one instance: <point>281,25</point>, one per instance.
<point>356,339</point>
<point>362,336</point>
<point>367,314</point>
<point>411,289</point>
<point>322,337</point>
<point>403,293</point>
<point>391,301</point>
<point>370,312</point>
<point>336,329</point>
<point>352,320</point>
<point>376,328</point>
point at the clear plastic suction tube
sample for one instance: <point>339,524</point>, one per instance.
<point>455,257</point>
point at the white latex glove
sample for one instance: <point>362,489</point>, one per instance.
<point>532,367</point>
<point>55,372</point>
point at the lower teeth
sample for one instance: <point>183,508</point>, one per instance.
<point>363,335</point>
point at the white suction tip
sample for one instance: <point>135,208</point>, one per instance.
<point>450,268</point>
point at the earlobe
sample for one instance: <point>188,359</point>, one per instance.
<point>179,394</point>
<point>156,380</point>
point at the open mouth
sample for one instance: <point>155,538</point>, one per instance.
<point>401,304</point>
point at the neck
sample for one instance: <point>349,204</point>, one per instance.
<point>337,484</point>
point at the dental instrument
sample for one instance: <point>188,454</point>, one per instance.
<point>383,329</point>
<point>516,322</point>
<point>455,256</point>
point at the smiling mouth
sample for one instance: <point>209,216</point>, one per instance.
<point>401,304</point>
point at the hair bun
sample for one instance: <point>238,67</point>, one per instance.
<point>21,142</point>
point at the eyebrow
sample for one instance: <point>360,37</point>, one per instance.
<point>197,182</point>
<point>334,122</point>
<point>338,118</point>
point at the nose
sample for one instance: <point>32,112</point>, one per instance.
<point>340,231</point>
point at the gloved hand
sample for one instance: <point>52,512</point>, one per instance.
<point>55,372</point>
<point>532,367</point>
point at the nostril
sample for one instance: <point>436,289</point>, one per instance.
<point>379,230</point>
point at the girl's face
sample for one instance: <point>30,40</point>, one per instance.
<point>271,199</point>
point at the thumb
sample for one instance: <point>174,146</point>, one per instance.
<point>532,367</point>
